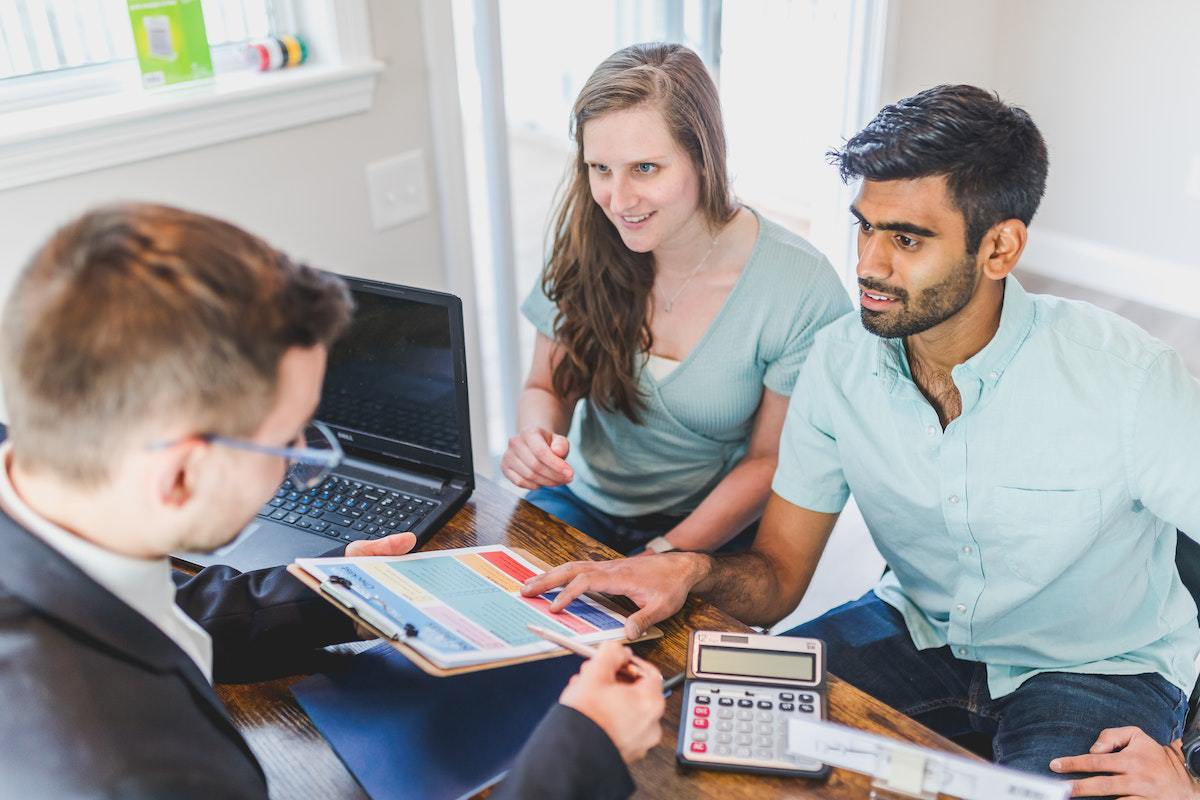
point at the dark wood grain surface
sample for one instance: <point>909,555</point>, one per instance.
<point>300,764</point>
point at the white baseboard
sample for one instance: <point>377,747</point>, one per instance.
<point>1169,285</point>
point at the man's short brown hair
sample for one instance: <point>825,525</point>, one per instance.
<point>137,313</point>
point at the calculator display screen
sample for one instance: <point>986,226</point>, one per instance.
<point>758,663</point>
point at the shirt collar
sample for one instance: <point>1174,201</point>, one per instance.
<point>1016,321</point>
<point>145,585</point>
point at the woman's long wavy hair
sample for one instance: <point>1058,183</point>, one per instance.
<point>601,287</point>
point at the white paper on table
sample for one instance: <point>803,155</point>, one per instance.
<point>915,770</point>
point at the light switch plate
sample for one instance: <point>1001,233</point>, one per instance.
<point>396,187</point>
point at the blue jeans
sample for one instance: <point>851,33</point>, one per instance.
<point>626,535</point>
<point>1052,714</point>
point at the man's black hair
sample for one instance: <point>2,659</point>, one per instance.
<point>992,155</point>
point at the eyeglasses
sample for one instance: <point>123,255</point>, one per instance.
<point>308,464</point>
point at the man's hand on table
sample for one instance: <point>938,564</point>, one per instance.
<point>1137,767</point>
<point>628,711</point>
<point>658,584</point>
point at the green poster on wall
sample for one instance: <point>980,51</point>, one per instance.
<point>172,46</point>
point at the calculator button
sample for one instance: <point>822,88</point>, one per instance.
<point>725,701</point>
<point>724,726</point>
<point>786,707</point>
<point>699,736</point>
<point>765,727</point>
<point>765,741</point>
<point>700,711</point>
<point>765,716</point>
<point>806,698</point>
<point>765,704</point>
<point>703,699</point>
<point>699,723</point>
<point>745,738</point>
<point>744,752</point>
<point>724,738</point>
<point>806,708</point>
<point>786,696</point>
<point>743,714</point>
<point>725,713</point>
<point>766,753</point>
<point>745,703</point>
<point>723,750</point>
<point>699,747</point>
<point>745,727</point>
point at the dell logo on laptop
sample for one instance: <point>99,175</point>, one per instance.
<point>345,436</point>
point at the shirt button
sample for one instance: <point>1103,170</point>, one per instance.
<point>962,651</point>
<point>931,430</point>
<point>960,608</point>
<point>993,374</point>
<point>967,550</point>
<point>953,499</point>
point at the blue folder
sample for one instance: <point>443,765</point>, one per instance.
<point>406,734</point>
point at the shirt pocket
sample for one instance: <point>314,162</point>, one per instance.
<point>1041,532</point>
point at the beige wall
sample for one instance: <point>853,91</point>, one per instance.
<point>302,188</point>
<point>1113,87</point>
<point>1111,84</point>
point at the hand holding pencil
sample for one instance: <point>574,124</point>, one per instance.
<point>628,710</point>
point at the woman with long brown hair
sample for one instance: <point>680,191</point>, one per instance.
<point>678,317</point>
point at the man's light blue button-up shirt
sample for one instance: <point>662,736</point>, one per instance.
<point>1036,533</point>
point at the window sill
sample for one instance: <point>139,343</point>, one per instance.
<point>54,141</point>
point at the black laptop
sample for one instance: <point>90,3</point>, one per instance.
<point>395,396</point>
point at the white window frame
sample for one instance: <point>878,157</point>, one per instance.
<point>92,132</point>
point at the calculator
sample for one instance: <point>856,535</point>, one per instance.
<point>741,690</point>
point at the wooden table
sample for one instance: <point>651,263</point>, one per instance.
<point>300,764</point>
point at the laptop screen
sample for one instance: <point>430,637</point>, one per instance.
<point>391,382</point>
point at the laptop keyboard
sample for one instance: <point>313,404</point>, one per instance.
<point>347,510</point>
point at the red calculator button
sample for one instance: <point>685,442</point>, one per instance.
<point>699,723</point>
<point>700,711</point>
<point>699,747</point>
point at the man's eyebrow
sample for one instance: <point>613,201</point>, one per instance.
<point>897,227</point>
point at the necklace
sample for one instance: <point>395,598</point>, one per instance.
<point>669,302</point>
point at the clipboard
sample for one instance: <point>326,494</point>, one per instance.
<point>427,666</point>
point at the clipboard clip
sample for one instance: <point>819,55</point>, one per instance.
<point>905,776</point>
<point>371,610</point>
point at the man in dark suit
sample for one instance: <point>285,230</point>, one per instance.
<point>159,370</point>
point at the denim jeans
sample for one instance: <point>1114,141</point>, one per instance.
<point>1052,714</point>
<point>627,535</point>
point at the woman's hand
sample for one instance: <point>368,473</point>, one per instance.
<point>535,457</point>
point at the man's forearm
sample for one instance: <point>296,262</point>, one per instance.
<point>747,585</point>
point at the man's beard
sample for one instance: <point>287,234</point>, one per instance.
<point>931,307</point>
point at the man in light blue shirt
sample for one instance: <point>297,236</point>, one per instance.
<point>1021,461</point>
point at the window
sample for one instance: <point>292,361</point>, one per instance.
<point>43,36</point>
<point>71,98</point>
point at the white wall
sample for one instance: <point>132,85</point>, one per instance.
<point>939,41</point>
<point>1112,86</point>
<point>303,189</point>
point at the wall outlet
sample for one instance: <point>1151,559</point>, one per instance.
<point>396,187</point>
<point>1193,183</point>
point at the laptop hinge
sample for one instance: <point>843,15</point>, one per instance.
<point>366,469</point>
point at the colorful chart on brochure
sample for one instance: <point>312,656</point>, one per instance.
<point>466,604</point>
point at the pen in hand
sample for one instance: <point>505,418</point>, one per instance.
<point>628,672</point>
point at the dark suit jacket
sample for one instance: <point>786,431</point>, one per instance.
<point>96,702</point>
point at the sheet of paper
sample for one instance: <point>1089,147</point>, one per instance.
<point>466,603</point>
<point>913,769</point>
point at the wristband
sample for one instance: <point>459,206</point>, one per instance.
<point>660,544</point>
